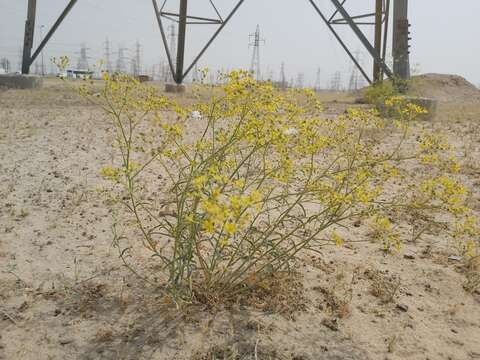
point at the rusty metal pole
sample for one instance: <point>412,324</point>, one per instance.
<point>29,34</point>
<point>182,32</point>
<point>401,40</point>
<point>377,72</point>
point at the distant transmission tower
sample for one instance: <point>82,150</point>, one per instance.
<point>83,59</point>
<point>353,84</point>
<point>291,84</point>
<point>153,72</point>
<point>300,80</point>
<point>165,71</point>
<point>270,75</point>
<point>20,59</point>
<point>5,64</point>
<point>136,61</point>
<point>173,43</point>
<point>120,66</point>
<point>195,77</point>
<point>51,69</point>
<point>318,81</point>
<point>220,76</point>
<point>41,53</point>
<point>336,81</point>
<point>255,66</point>
<point>108,59</point>
<point>283,78</point>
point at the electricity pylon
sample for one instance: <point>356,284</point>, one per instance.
<point>120,66</point>
<point>318,81</point>
<point>283,78</point>
<point>255,65</point>
<point>136,61</point>
<point>353,83</point>
<point>82,63</point>
<point>173,42</point>
<point>108,59</point>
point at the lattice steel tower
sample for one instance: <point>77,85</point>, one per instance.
<point>108,59</point>
<point>255,65</point>
<point>120,66</point>
<point>173,42</point>
<point>137,61</point>
<point>83,59</point>
<point>283,78</point>
<point>318,80</point>
<point>353,83</point>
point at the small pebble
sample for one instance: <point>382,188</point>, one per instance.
<point>65,341</point>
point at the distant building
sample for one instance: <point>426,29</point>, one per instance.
<point>77,74</point>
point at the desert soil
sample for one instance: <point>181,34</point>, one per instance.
<point>64,293</point>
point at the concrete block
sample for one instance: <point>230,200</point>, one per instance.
<point>430,105</point>
<point>20,81</point>
<point>175,88</point>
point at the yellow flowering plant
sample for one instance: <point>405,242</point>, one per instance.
<point>229,191</point>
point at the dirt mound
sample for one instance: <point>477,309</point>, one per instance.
<point>445,88</point>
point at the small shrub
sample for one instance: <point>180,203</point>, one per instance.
<point>377,94</point>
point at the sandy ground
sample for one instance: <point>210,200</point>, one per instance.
<point>65,295</point>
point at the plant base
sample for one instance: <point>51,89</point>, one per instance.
<point>175,88</point>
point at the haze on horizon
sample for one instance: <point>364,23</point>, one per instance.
<point>444,36</point>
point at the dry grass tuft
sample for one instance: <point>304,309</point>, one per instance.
<point>472,273</point>
<point>383,286</point>
<point>84,298</point>
<point>241,351</point>
<point>338,297</point>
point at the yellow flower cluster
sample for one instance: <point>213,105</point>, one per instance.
<point>382,230</point>
<point>467,232</point>
<point>228,215</point>
<point>111,173</point>
<point>448,192</point>
<point>403,108</point>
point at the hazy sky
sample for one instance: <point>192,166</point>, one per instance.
<point>446,34</point>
